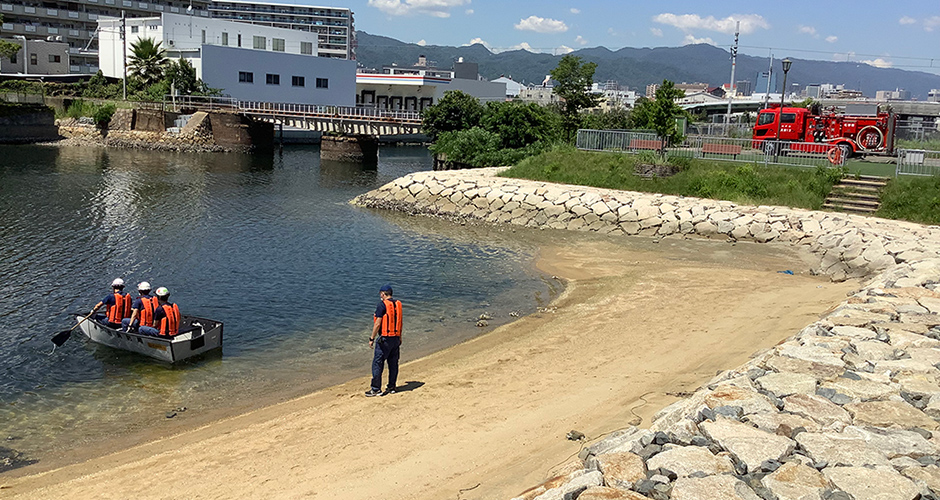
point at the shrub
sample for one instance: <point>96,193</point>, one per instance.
<point>103,114</point>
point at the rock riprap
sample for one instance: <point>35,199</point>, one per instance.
<point>847,408</point>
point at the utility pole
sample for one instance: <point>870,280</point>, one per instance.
<point>124,43</point>
<point>770,74</point>
<point>734,60</point>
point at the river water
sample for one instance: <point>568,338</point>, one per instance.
<point>266,243</point>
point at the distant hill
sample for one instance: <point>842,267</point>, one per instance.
<point>638,67</point>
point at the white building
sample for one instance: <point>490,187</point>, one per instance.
<point>414,88</point>
<point>513,88</point>
<point>247,61</point>
<point>333,26</point>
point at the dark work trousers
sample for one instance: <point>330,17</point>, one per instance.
<point>386,349</point>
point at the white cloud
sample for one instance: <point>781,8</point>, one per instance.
<point>907,20</point>
<point>879,63</point>
<point>523,46</point>
<point>832,39</point>
<point>575,11</point>
<point>541,25</point>
<point>469,12</point>
<point>612,32</point>
<point>580,40</point>
<point>564,49</point>
<point>480,41</point>
<point>435,8</point>
<point>421,42</point>
<point>691,40</point>
<point>656,32</point>
<point>687,22</point>
<point>931,22</point>
<point>808,30</point>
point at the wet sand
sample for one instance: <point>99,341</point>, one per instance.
<point>635,327</point>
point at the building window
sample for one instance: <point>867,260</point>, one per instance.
<point>135,29</point>
<point>272,79</point>
<point>277,44</point>
<point>323,83</point>
<point>203,36</point>
<point>246,77</point>
<point>306,48</point>
<point>53,58</point>
<point>33,59</point>
<point>297,81</point>
<point>13,58</point>
<point>224,38</point>
<point>259,42</point>
<point>239,39</point>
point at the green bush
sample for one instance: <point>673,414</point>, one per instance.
<point>79,108</point>
<point>103,114</point>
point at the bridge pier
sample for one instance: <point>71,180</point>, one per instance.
<point>350,148</point>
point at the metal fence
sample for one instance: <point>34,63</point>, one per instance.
<point>716,148</point>
<point>918,130</point>
<point>290,109</point>
<point>918,162</point>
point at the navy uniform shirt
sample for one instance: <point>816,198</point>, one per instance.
<point>139,304</point>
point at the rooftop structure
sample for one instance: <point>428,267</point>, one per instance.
<point>334,26</point>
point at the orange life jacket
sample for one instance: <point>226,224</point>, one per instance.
<point>146,312</point>
<point>171,323</point>
<point>121,308</point>
<point>391,321</point>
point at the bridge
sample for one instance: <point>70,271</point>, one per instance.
<point>339,119</point>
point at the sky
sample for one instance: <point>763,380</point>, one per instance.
<point>901,33</point>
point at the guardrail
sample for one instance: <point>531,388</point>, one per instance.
<point>799,154</point>
<point>918,162</point>
<point>292,109</point>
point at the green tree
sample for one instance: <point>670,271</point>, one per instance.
<point>148,61</point>
<point>660,114</point>
<point>182,76</point>
<point>617,119</point>
<point>9,49</point>
<point>519,125</point>
<point>574,79</point>
<point>455,111</point>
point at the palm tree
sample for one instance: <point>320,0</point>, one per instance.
<point>148,61</point>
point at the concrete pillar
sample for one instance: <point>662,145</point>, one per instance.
<point>353,148</point>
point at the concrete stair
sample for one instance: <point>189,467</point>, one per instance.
<point>856,194</point>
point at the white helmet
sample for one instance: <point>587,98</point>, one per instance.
<point>117,282</point>
<point>163,292</point>
<point>143,285</point>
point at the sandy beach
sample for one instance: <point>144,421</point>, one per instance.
<point>486,419</point>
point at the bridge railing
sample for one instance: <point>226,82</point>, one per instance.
<point>291,109</point>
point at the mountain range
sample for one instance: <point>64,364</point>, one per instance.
<point>638,67</point>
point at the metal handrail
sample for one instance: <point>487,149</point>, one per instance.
<point>293,109</point>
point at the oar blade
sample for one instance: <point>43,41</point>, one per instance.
<point>61,337</point>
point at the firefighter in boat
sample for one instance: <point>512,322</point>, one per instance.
<point>117,305</point>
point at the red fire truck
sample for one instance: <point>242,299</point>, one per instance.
<point>837,134</point>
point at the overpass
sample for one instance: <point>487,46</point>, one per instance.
<point>338,119</point>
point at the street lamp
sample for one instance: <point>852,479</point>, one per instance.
<point>783,93</point>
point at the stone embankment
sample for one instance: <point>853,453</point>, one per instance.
<point>148,129</point>
<point>848,408</point>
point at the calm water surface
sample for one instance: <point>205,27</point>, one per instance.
<point>266,243</point>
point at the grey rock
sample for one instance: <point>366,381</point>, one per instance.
<point>712,488</point>
<point>732,412</point>
<point>750,445</point>
<point>649,451</point>
<point>685,461</point>
<point>877,483</point>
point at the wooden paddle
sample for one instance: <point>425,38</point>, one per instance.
<point>63,336</point>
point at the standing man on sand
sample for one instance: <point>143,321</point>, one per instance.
<point>386,337</point>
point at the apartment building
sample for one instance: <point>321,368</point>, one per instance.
<point>75,22</point>
<point>334,26</point>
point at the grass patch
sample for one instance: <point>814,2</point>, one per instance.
<point>742,183</point>
<point>914,199</point>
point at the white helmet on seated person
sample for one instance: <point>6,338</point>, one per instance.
<point>143,285</point>
<point>163,292</point>
<point>118,282</point>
